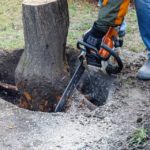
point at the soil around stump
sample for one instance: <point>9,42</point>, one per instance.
<point>107,127</point>
<point>94,85</point>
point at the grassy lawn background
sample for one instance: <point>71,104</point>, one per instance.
<point>82,16</point>
<point>11,34</point>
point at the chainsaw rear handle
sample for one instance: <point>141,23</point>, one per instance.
<point>110,69</point>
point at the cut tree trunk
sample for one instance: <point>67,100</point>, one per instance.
<point>41,74</point>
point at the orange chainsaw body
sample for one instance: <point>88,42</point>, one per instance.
<point>108,40</point>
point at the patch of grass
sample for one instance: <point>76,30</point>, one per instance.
<point>82,16</point>
<point>138,138</point>
<point>132,40</point>
<point>11,33</point>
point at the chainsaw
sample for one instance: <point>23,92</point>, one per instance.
<point>106,58</point>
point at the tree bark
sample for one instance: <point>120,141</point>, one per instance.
<point>41,74</point>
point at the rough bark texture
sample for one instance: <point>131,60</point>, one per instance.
<point>41,73</point>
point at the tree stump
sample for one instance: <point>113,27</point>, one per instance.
<point>41,74</point>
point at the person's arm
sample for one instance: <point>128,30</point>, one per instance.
<point>111,14</point>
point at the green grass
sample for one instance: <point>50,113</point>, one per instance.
<point>81,19</point>
<point>82,16</point>
<point>132,40</point>
<point>11,33</point>
<point>139,137</point>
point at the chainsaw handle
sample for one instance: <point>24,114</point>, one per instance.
<point>81,43</point>
<point>110,69</point>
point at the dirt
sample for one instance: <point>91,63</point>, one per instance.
<point>8,62</point>
<point>105,128</point>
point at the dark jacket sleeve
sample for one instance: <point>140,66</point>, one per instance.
<point>111,13</point>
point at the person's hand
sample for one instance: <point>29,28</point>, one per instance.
<point>93,37</point>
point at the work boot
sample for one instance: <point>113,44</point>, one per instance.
<point>144,71</point>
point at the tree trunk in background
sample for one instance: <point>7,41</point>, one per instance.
<point>41,74</point>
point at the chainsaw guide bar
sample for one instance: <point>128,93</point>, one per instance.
<point>71,86</point>
<point>90,55</point>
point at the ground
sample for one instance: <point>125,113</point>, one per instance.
<point>109,127</point>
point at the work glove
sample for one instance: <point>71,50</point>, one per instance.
<point>94,37</point>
